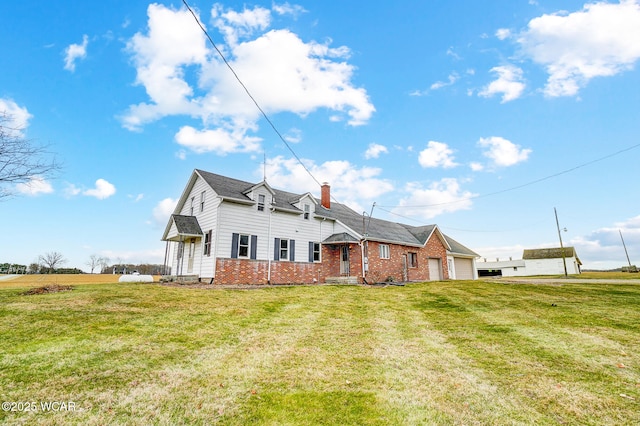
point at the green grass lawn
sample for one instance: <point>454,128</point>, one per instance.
<point>434,353</point>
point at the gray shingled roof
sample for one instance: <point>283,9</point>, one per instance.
<point>376,229</point>
<point>236,189</point>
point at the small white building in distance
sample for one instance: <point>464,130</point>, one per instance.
<point>548,261</point>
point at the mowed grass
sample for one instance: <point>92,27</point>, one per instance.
<point>434,353</point>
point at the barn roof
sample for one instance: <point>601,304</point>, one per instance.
<point>549,253</point>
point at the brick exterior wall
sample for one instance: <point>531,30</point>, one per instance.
<point>245,271</point>
<point>393,268</point>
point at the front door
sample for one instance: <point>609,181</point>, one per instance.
<point>344,261</point>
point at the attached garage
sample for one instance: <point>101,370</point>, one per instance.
<point>464,269</point>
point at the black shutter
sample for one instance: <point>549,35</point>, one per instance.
<point>254,247</point>
<point>292,250</point>
<point>311,245</point>
<point>276,249</point>
<point>234,245</point>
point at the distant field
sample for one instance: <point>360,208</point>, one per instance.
<point>38,280</point>
<point>610,275</point>
<point>456,352</point>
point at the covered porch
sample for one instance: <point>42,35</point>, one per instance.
<point>183,237</point>
<point>343,256</point>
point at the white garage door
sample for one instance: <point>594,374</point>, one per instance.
<point>434,270</point>
<point>464,268</point>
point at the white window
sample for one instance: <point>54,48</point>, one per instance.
<point>284,249</point>
<point>316,252</point>
<point>261,199</point>
<point>191,209</point>
<point>243,245</point>
<point>203,195</point>
<point>307,210</point>
<point>384,251</point>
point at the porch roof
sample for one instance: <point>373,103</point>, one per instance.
<point>342,237</point>
<point>182,226</point>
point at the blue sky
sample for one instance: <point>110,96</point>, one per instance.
<point>480,117</point>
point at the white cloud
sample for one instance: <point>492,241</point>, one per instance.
<point>17,117</point>
<point>293,136</point>
<point>288,9</point>
<point>35,186</point>
<point>135,198</point>
<point>71,190</point>
<point>221,141</point>
<point>163,210</point>
<point>374,150</point>
<point>453,54</point>
<point>437,154</point>
<point>476,167</point>
<point>502,152</point>
<point>453,77</point>
<point>603,247</point>
<point>103,190</point>
<point>74,52</point>
<point>503,33</point>
<point>350,185</point>
<point>234,25</point>
<point>295,76</point>
<point>602,39</point>
<point>509,83</point>
<point>443,196</point>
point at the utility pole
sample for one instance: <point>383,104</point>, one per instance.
<point>564,260</point>
<point>625,248</point>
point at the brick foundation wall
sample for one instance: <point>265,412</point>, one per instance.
<point>246,271</point>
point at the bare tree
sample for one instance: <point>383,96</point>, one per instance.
<point>52,260</point>
<point>93,262</point>
<point>20,159</point>
<point>104,263</point>
<point>97,261</point>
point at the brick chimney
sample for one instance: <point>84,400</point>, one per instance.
<point>325,195</point>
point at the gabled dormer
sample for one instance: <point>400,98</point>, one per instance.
<point>262,195</point>
<point>307,204</point>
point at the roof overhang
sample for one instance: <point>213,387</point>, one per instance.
<point>182,227</point>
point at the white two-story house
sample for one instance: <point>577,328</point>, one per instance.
<point>228,231</point>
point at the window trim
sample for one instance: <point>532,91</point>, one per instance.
<point>307,212</point>
<point>284,250</point>
<point>207,243</point>
<point>384,251</point>
<point>203,197</point>
<point>262,199</point>
<point>413,259</point>
<point>241,246</point>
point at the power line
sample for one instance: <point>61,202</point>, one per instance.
<point>266,117</point>
<point>588,163</point>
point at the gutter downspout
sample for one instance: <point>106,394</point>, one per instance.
<point>320,242</point>
<point>269,252</point>
<point>216,229</point>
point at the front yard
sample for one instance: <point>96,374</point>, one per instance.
<point>442,352</point>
